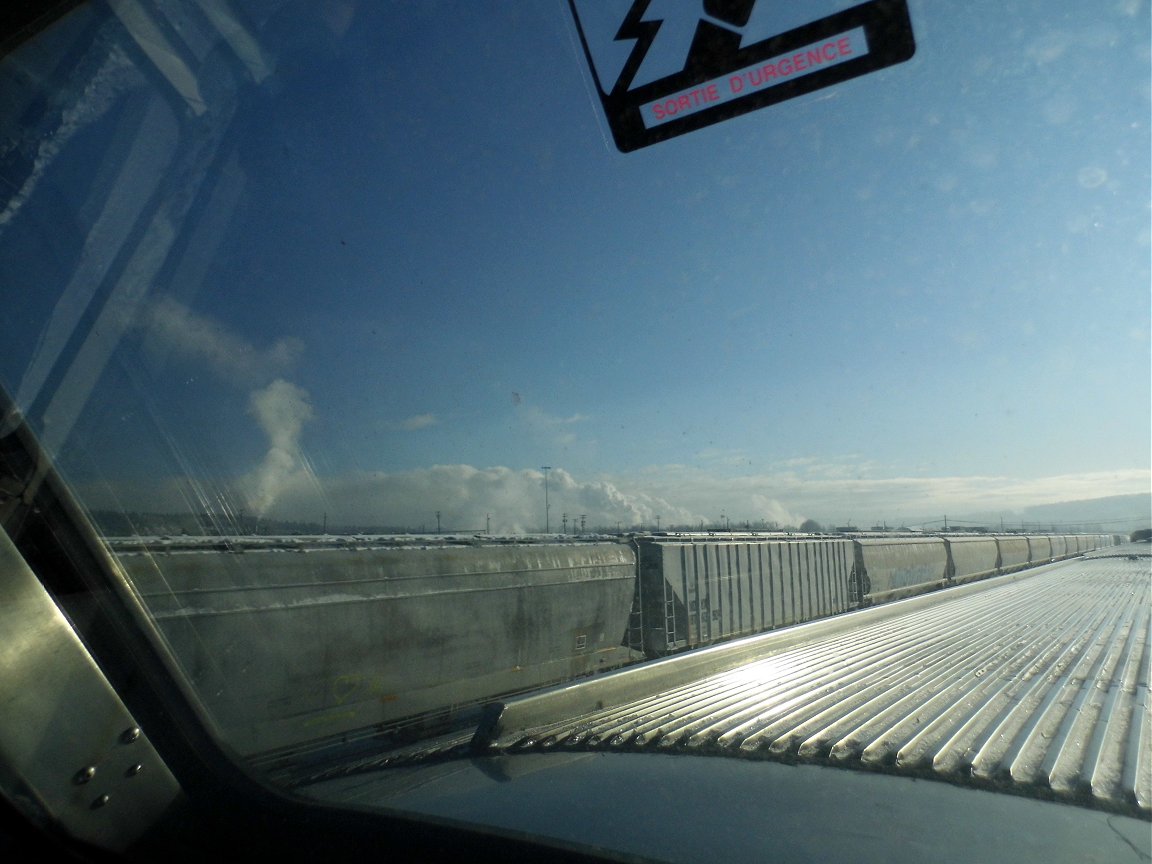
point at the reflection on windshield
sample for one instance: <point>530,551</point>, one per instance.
<point>347,269</point>
<point>407,277</point>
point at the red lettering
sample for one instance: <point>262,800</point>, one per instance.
<point>760,77</point>
<point>784,67</point>
<point>686,102</point>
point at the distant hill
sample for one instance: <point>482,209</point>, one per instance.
<point>1119,507</point>
<point>1120,514</point>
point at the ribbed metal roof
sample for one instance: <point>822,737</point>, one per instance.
<point>1038,686</point>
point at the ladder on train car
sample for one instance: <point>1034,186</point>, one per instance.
<point>635,638</point>
<point>636,624</point>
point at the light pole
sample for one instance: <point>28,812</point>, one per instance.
<point>547,521</point>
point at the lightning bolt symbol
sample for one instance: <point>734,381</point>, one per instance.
<point>671,24</point>
<point>643,33</point>
<point>665,30</point>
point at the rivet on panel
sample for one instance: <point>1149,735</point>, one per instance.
<point>130,735</point>
<point>99,802</point>
<point>134,770</point>
<point>84,775</point>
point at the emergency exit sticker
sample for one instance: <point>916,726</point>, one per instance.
<point>666,67</point>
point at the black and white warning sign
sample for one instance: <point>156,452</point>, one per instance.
<point>666,67</point>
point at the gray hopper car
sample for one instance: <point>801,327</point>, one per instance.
<point>698,589</point>
<point>693,591</point>
<point>893,567</point>
<point>286,647</point>
<point>290,648</point>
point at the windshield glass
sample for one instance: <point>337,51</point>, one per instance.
<point>373,284</point>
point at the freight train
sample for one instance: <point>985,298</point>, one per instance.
<point>292,642</point>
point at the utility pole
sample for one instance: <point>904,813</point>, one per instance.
<point>487,523</point>
<point>547,523</point>
<point>437,521</point>
<point>657,521</point>
<point>582,518</point>
<point>565,523</point>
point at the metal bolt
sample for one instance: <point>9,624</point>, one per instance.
<point>84,775</point>
<point>134,770</point>
<point>99,802</point>
<point>130,735</point>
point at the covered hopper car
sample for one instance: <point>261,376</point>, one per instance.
<point>342,637</point>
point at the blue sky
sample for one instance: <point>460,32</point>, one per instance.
<point>923,290</point>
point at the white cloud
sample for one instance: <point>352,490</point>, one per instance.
<point>552,429</point>
<point>469,499</point>
<point>836,490</point>
<point>719,456</point>
<point>286,487</point>
<point>538,419</point>
<point>281,409</point>
<point>172,328</point>
<point>419,421</point>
